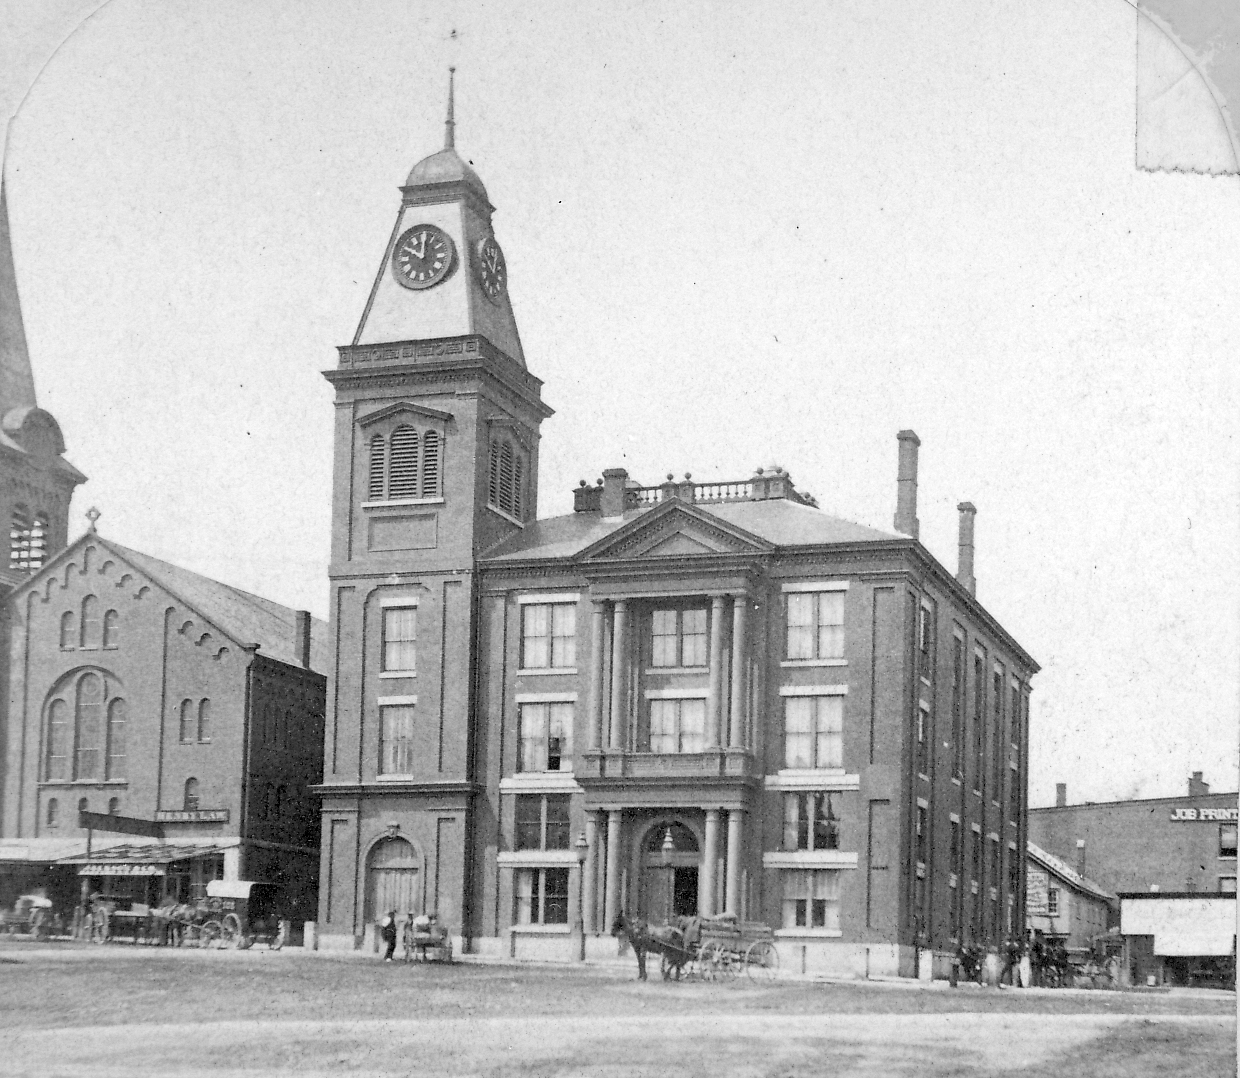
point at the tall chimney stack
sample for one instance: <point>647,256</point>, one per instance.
<point>964,572</point>
<point>1197,788</point>
<point>1061,794</point>
<point>615,480</point>
<point>301,637</point>
<point>906,484</point>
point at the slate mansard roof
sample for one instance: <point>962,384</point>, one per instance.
<point>248,619</point>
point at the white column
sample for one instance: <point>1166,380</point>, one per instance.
<point>589,902</point>
<point>594,735</point>
<point>611,888</point>
<point>619,727</point>
<point>732,889</point>
<point>714,709</point>
<point>740,606</point>
<point>710,857</point>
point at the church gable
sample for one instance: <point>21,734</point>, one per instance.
<point>674,530</point>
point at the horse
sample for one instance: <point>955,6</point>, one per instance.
<point>667,940</point>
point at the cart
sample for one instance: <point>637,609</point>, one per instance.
<point>719,948</point>
<point>426,940</point>
<point>246,913</point>
<point>32,915</point>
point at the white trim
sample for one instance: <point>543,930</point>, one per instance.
<point>536,858</point>
<point>402,501</point>
<point>676,694</point>
<point>815,585</point>
<point>396,701</point>
<point>506,516</point>
<point>399,600</point>
<point>808,859</point>
<point>540,782</point>
<point>546,698</point>
<point>827,779</point>
<point>403,777</point>
<point>808,933</point>
<point>539,930</point>
<point>657,671</point>
<point>546,671</point>
<point>397,673</point>
<point>788,664</point>
<point>813,690</point>
<point>543,597</point>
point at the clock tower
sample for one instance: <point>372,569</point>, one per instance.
<point>436,460</point>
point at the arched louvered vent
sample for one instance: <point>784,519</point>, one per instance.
<point>378,466</point>
<point>430,464</point>
<point>518,469</point>
<point>38,540</point>
<point>403,472</point>
<point>505,477</point>
<point>493,482</point>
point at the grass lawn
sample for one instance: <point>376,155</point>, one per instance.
<point>102,1011</point>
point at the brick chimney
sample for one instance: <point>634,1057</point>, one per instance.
<point>906,484</point>
<point>1061,794</point>
<point>1197,788</point>
<point>964,570</point>
<point>301,637</point>
<point>614,482</point>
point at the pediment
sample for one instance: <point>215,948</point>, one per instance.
<point>675,530</point>
<point>416,411</point>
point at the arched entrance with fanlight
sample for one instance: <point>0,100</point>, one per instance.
<point>393,880</point>
<point>669,860</point>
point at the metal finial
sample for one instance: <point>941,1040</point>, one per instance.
<point>449,133</point>
<point>93,514</point>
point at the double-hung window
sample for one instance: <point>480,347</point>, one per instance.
<point>813,731</point>
<point>677,725</point>
<point>1227,840</point>
<point>678,638</point>
<point>542,896</point>
<point>548,636</point>
<point>812,899</point>
<point>396,737</point>
<point>542,822</point>
<point>1052,901</point>
<point>815,624</point>
<point>546,736</point>
<point>810,822</point>
<point>400,640</point>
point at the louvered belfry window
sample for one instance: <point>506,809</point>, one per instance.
<point>430,464</point>
<point>403,469</point>
<point>506,480</point>
<point>378,467</point>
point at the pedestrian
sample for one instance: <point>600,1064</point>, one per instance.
<point>1013,952</point>
<point>388,931</point>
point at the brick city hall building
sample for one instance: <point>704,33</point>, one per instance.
<point>681,698</point>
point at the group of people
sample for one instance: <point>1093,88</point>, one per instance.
<point>1048,961</point>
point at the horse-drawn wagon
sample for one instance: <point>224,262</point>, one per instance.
<point>708,948</point>
<point>31,915</point>
<point>247,913</point>
<point>425,940</point>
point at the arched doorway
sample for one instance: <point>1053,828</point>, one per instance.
<point>393,880</point>
<point>669,882</point>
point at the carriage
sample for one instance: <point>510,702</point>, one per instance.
<point>246,913</point>
<point>707,948</point>
<point>426,940</point>
<point>31,915</point>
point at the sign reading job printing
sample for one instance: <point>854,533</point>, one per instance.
<point>1037,901</point>
<point>1217,815</point>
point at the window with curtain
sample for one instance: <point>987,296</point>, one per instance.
<point>400,639</point>
<point>677,725</point>
<point>548,636</point>
<point>678,638</point>
<point>813,732</point>
<point>816,625</point>
<point>545,736</point>
<point>810,822</point>
<point>396,739</point>
<point>812,899</point>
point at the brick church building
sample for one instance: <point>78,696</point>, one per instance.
<point>681,698</point>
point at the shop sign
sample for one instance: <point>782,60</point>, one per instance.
<point>114,868</point>
<point>1037,900</point>
<point>192,815</point>
<point>1216,815</point>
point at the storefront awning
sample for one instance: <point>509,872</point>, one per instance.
<point>134,860</point>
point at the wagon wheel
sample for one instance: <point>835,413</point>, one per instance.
<point>209,934</point>
<point>712,958</point>
<point>230,930</point>
<point>761,961</point>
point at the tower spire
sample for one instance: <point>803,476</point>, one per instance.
<point>16,376</point>
<point>449,133</point>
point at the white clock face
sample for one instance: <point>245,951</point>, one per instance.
<point>492,272</point>
<point>423,256</point>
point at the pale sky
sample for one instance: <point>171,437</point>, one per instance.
<point>736,234</point>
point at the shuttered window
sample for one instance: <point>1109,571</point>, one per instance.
<point>403,470</point>
<point>430,464</point>
<point>378,467</point>
<point>506,485</point>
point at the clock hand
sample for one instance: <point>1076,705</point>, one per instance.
<point>420,251</point>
